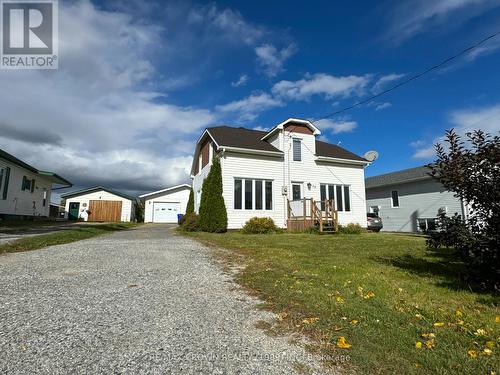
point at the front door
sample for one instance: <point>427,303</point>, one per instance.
<point>74,209</point>
<point>166,212</point>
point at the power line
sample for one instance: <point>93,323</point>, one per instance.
<point>412,78</point>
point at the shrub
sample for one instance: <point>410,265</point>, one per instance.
<point>470,170</point>
<point>139,212</point>
<point>260,225</point>
<point>190,222</point>
<point>350,229</point>
<point>213,214</point>
<point>190,204</point>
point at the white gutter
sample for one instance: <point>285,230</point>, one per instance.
<point>250,151</point>
<point>341,161</point>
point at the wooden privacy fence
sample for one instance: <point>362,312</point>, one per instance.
<point>306,213</point>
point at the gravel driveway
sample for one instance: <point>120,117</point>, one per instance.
<point>144,301</point>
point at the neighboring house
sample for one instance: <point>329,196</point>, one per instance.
<point>163,206</point>
<point>25,190</point>
<point>410,200</point>
<point>99,204</point>
<point>261,171</point>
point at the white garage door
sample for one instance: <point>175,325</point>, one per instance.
<point>166,212</point>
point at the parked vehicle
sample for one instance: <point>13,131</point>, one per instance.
<point>374,222</point>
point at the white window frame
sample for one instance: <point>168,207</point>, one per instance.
<point>327,190</point>
<point>301,149</point>
<point>392,200</point>
<point>300,184</point>
<point>264,194</point>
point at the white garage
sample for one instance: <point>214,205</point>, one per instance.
<point>163,206</point>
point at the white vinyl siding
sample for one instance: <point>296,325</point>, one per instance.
<point>180,195</point>
<point>14,200</point>
<point>417,200</point>
<point>128,213</point>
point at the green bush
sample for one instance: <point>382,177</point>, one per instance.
<point>350,229</point>
<point>191,222</point>
<point>213,214</point>
<point>190,204</point>
<point>260,225</point>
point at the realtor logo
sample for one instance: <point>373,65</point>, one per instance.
<point>29,34</point>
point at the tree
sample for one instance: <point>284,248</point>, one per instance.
<point>472,172</point>
<point>190,204</point>
<point>213,214</point>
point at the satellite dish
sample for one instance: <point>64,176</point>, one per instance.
<point>371,155</point>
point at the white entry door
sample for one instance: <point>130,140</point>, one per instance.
<point>166,212</point>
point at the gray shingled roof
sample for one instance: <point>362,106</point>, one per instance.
<point>96,188</point>
<point>405,175</point>
<point>252,139</point>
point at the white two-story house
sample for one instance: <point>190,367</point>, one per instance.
<point>25,190</point>
<point>262,171</point>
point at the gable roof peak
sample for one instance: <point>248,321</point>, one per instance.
<point>293,120</point>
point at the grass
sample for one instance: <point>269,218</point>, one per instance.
<point>379,291</point>
<point>78,233</point>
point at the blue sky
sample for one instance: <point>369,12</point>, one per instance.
<point>138,81</point>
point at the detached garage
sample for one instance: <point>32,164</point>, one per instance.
<point>163,206</point>
<point>99,204</point>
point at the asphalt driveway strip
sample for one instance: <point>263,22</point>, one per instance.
<point>143,301</point>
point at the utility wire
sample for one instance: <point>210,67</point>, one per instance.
<point>412,78</point>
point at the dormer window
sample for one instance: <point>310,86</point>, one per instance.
<point>297,149</point>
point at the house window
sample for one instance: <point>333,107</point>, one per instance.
<point>4,182</point>
<point>425,225</point>
<point>250,194</point>
<point>296,192</point>
<point>44,202</point>
<point>28,184</point>
<point>394,199</point>
<point>258,194</point>
<point>238,191</point>
<point>297,150</point>
<point>341,194</point>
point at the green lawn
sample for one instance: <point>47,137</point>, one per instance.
<point>80,232</point>
<point>381,292</point>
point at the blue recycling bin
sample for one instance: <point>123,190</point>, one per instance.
<point>179,217</point>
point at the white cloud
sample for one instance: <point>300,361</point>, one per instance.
<point>463,121</point>
<point>321,84</point>
<point>382,106</point>
<point>249,107</point>
<point>384,80</point>
<point>242,81</point>
<point>98,118</point>
<point>272,59</point>
<point>336,127</point>
<point>408,18</point>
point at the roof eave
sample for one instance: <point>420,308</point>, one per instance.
<point>165,190</point>
<point>251,151</point>
<point>399,182</point>
<point>342,161</point>
<point>280,126</point>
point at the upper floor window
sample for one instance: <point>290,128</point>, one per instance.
<point>394,199</point>
<point>253,194</point>
<point>297,149</point>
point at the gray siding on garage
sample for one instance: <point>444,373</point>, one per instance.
<point>417,199</point>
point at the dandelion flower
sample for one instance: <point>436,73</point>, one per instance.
<point>438,324</point>
<point>497,319</point>
<point>428,335</point>
<point>342,343</point>
<point>472,353</point>
<point>429,344</point>
<point>369,295</point>
<point>487,352</point>
<point>458,313</point>
<point>354,322</point>
<point>339,299</point>
<point>490,344</point>
<point>480,332</point>
<point>418,345</point>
